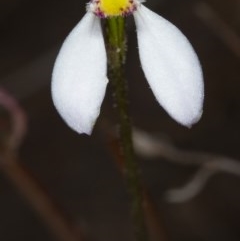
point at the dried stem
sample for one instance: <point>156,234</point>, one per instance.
<point>22,179</point>
<point>209,164</point>
<point>39,200</point>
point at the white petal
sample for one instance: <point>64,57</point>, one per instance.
<point>79,76</point>
<point>171,66</point>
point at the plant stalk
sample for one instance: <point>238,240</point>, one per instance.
<point>116,48</point>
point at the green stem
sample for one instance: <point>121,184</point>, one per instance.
<point>116,46</point>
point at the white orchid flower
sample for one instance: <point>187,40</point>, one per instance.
<point>168,60</point>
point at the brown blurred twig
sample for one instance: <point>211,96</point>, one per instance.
<point>23,180</point>
<point>38,199</point>
<point>209,164</point>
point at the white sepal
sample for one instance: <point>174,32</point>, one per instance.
<point>171,66</point>
<point>79,76</point>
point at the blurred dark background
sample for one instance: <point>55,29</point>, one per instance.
<point>78,172</point>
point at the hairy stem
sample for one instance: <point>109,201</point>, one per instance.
<point>116,46</point>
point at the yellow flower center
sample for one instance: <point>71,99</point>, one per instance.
<point>111,8</point>
<point>114,7</point>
